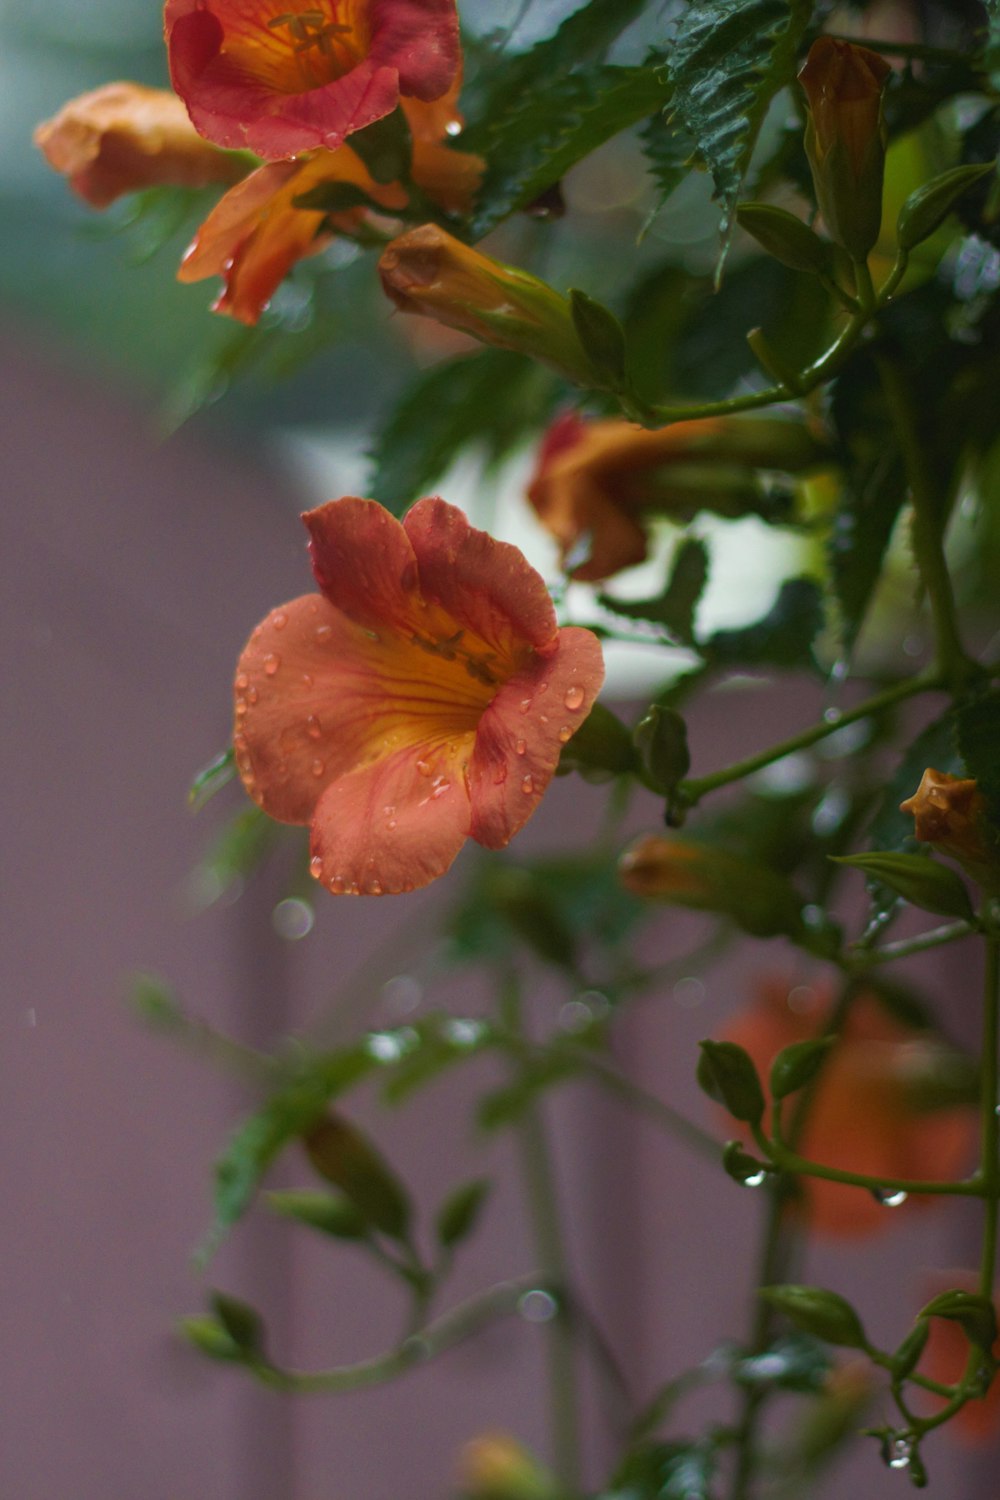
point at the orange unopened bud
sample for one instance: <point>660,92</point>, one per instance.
<point>496,1467</point>
<point>949,812</point>
<point>430,272</point>
<point>125,137</point>
<point>845,139</point>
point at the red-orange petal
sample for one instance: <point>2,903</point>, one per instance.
<point>488,586</point>
<point>248,80</point>
<point>394,825</point>
<point>522,733</point>
<point>364,562</point>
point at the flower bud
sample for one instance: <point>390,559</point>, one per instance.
<point>496,1467</point>
<point>950,813</point>
<point>757,898</point>
<point>918,878</point>
<point>124,137</point>
<point>846,139</point>
<point>820,1312</point>
<point>430,272</point>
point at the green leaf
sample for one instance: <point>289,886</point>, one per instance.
<point>259,1140</point>
<point>335,1216</point>
<point>602,336</point>
<point>872,492</point>
<point>797,1065</point>
<point>209,1337</point>
<point>492,398</point>
<point>342,1154</point>
<point>661,739</point>
<point>504,80</point>
<point>976,1316</point>
<point>727,1074</point>
<point>460,1212</point>
<point>550,128</point>
<point>825,1314</point>
<point>795,1362</point>
<point>241,1322</point>
<point>668,149</point>
<point>665,1471</point>
<point>927,208</point>
<point>675,607</point>
<point>918,878</point>
<point>212,778</point>
<point>600,748</point>
<point>782,638</point>
<point>785,237</point>
<point>727,62</point>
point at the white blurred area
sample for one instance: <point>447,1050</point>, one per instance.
<point>748,558</point>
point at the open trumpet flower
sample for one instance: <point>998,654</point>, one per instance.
<point>280,81</point>
<point>421,698</point>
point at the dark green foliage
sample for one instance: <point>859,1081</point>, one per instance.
<point>549,130</point>
<point>459,1213</point>
<point>666,1471</point>
<point>781,638</point>
<point>675,607</point>
<point>794,1362</point>
<point>489,400</point>
<point>727,62</point>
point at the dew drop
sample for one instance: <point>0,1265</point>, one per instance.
<point>375,887</point>
<point>898,1453</point>
<point>574,697</point>
<point>242,682</point>
<point>337,885</point>
<point>524,705</point>
<point>440,787</point>
<point>543,687</point>
<point>543,718</point>
<point>527,786</point>
<point>279,619</point>
<point>318,767</point>
<point>271,663</point>
<point>538,1307</point>
<point>424,768</point>
<point>313,728</point>
<point>252,695</point>
<point>242,708</point>
<point>392,824</point>
<point>500,775</point>
<point>756,1179</point>
<point>316,867</point>
<point>354,889</point>
<point>307,679</point>
<point>889,1197</point>
<point>565,734</point>
<point>521,746</point>
<point>389,809</point>
<point>324,632</point>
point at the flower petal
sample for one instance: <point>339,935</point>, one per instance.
<point>486,585</point>
<point>319,696</point>
<point>364,562</point>
<point>394,825</point>
<point>522,733</point>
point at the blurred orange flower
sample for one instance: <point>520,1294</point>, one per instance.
<point>253,73</point>
<point>258,230</point>
<point>124,137</point>
<point>864,1116</point>
<point>421,698</point>
<point>595,482</point>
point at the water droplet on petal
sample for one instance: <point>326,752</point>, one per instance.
<point>242,708</point>
<point>375,887</point>
<point>279,619</point>
<point>440,787</point>
<point>574,697</point>
<point>337,884</point>
<point>543,687</point>
<point>354,889</point>
<point>242,682</point>
<point>424,767</point>
<point>271,663</point>
<point>324,632</point>
<point>307,679</point>
<point>527,786</point>
<point>316,867</point>
<point>889,1197</point>
<point>524,705</point>
<point>313,728</point>
<point>500,774</point>
<point>521,746</point>
<point>252,695</point>
<point>565,734</point>
<point>392,824</point>
<point>318,767</point>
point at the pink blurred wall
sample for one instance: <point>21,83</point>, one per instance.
<point>134,571</point>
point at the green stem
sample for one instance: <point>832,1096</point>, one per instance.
<point>671,1119</point>
<point>800,1166</point>
<point>543,1206</point>
<point>691,792</point>
<point>461,1323</point>
<point>937,937</point>
<point>929,514</point>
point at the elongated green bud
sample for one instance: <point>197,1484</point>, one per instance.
<point>815,1310</point>
<point>727,1074</point>
<point>926,209</point>
<point>918,879</point>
